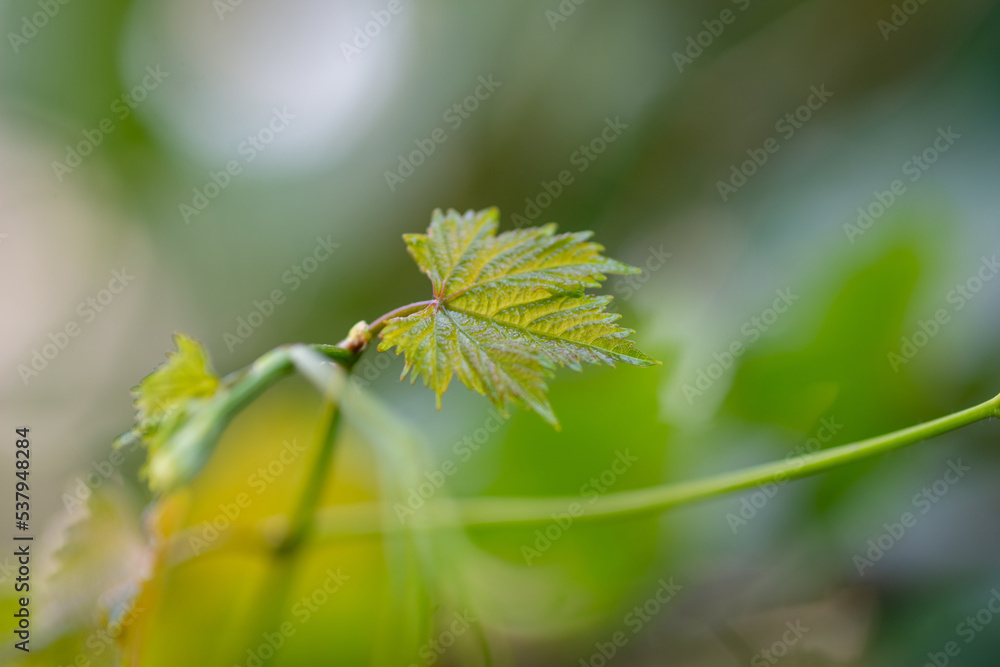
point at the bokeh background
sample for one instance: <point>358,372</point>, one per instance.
<point>166,166</point>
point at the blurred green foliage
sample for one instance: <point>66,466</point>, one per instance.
<point>654,186</point>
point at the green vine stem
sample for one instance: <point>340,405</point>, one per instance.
<point>304,518</point>
<point>247,384</point>
<point>375,327</point>
<point>277,585</point>
<point>361,520</point>
<point>500,511</point>
<point>366,519</point>
<point>310,522</point>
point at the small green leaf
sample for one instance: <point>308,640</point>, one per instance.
<point>508,309</point>
<point>184,375</point>
<point>165,402</point>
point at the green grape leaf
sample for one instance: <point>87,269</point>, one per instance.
<point>508,308</point>
<point>166,401</point>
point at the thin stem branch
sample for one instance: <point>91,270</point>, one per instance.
<point>304,518</point>
<point>247,384</point>
<point>375,327</point>
<point>272,607</point>
<point>364,520</point>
